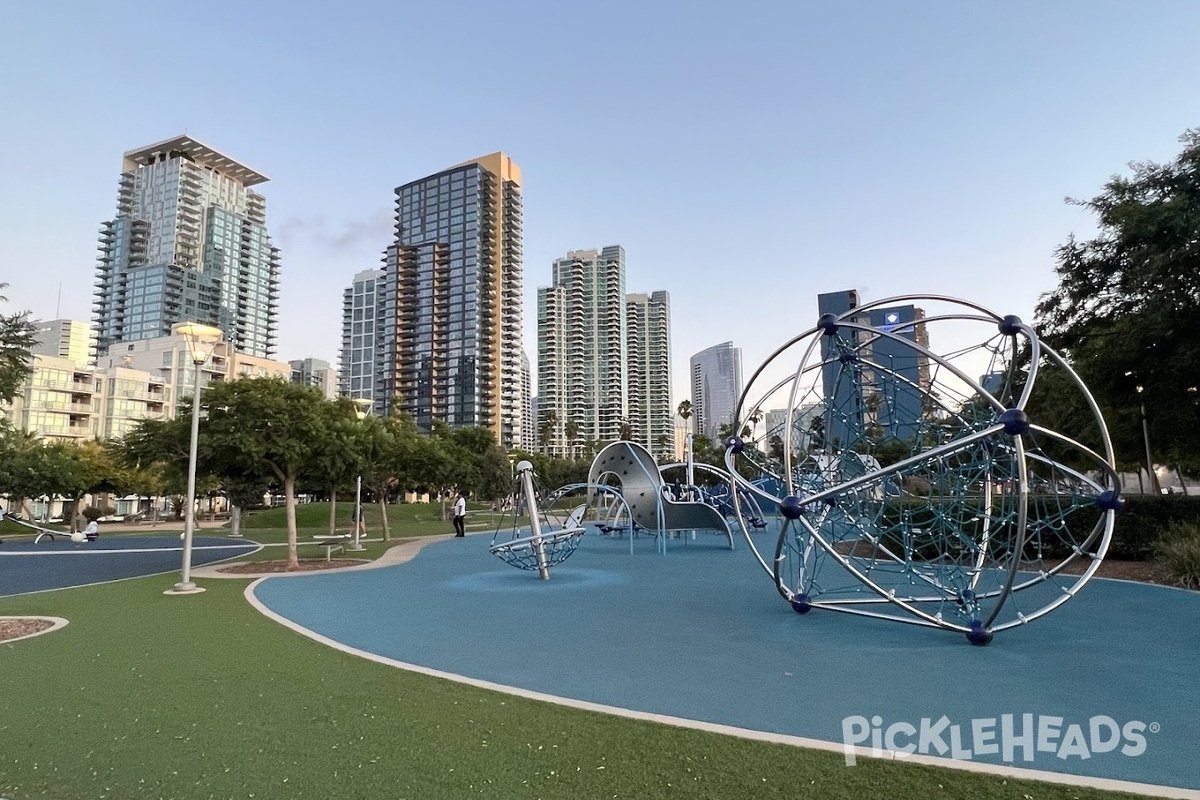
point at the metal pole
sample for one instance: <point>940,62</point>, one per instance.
<point>185,584</point>
<point>691,474</point>
<point>535,525</point>
<point>1154,487</point>
<point>356,544</point>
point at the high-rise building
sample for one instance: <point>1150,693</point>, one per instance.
<point>66,338</point>
<point>583,347</point>
<point>315,372</point>
<point>451,300</point>
<point>716,386</point>
<point>873,384</point>
<point>648,320</point>
<point>361,347</point>
<point>903,380</point>
<point>528,401</point>
<point>188,243</point>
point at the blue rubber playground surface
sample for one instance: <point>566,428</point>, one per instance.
<point>700,633</point>
<point>28,567</point>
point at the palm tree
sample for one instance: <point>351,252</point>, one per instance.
<point>685,410</point>
<point>548,426</point>
<point>664,446</point>
<point>756,416</point>
<point>571,431</point>
<point>626,431</point>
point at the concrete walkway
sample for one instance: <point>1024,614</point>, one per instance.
<point>401,553</point>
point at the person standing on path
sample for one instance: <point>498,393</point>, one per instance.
<point>460,515</point>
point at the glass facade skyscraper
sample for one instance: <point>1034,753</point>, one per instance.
<point>189,243</point>
<point>360,345</point>
<point>451,300</point>
<point>716,375</point>
<point>881,389</point>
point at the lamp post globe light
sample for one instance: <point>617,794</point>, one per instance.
<point>362,407</point>
<point>201,341</point>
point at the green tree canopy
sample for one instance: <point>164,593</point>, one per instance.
<point>265,428</point>
<point>1126,308</point>
<point>16,338</point>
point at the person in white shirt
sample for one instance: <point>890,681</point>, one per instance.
<point>460,515</point>
<point>92,531</point>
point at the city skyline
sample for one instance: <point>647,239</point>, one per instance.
<point>896,150</point>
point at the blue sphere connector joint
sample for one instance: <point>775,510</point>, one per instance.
<point>828,323</point>
<point>791,507</point>
<point>1108,500</point>
<point>1010,325</point>
<point>978,635</point>
<point>735,444</point>
<point>1015,421</point>
<point>801,604</point>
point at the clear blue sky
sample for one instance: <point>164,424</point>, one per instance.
<point>747,155</point>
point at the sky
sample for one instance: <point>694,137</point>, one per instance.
<point>747,155</point>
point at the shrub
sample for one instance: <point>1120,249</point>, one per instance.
<point>1178,550</point>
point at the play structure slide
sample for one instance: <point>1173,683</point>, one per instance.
<point>642,488</point>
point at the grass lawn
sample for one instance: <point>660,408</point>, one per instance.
<point>404,519</point>
<point>146,696</point>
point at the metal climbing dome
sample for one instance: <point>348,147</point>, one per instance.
<point>926,485</point>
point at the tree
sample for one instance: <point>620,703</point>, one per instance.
<point>547,429</point>
<point>571,431</point>
<point>685,410</point>
<point>1125,308</point>
<point>265,427</point>
<point>16,339</point>
<point>338,461</point>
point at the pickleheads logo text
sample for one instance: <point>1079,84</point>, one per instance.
<point>1013,737</point>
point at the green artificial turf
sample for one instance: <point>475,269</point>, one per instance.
<point>404,519</point>
<point>147,696</point>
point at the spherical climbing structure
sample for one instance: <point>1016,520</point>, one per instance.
<point>919,469</point>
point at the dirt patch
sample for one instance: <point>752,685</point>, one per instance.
<point>1140,571</point>
<point>16,628</point>
<point>305,565</point>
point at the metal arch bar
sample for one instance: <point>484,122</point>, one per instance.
<point>1022,530</point>
<point>992,316</point>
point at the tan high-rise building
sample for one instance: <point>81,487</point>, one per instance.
<point>450,300</point>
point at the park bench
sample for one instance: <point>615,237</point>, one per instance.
<point>332,543</point>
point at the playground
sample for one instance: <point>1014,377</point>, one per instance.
<point>765,609</point>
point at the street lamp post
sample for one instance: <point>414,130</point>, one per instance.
<point>362,407</point>
<point>1154,487</point>
<point>201,340</point>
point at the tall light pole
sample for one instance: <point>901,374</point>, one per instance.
<point>1154,487</point>
<point>201,340</point>
<point>362,407</point>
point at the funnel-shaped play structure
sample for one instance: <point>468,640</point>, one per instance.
<point>643,490</point>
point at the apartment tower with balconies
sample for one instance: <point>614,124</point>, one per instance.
<point>450,316</point>
<point>583,350</point>
<point>188,243</point>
